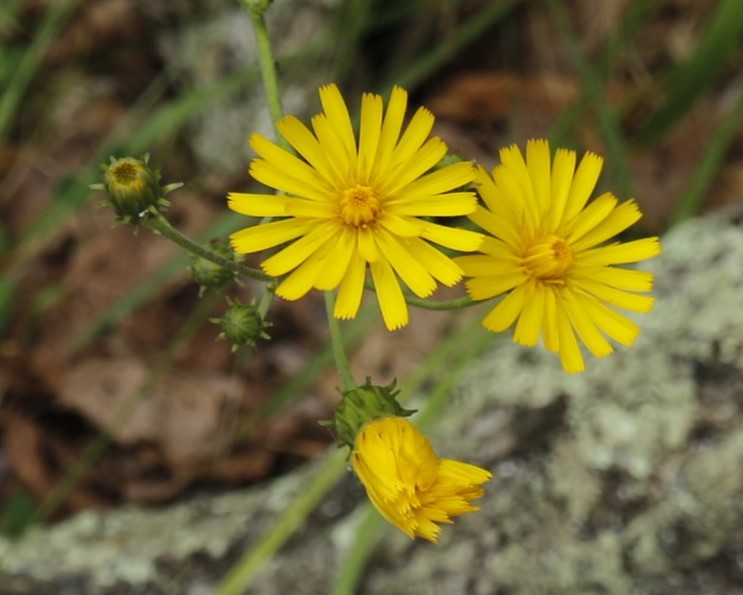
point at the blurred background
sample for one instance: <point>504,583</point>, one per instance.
<point>113,387</point>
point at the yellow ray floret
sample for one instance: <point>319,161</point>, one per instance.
<point>351,205</point>
<point>546,255</point>
<point>407,483</point>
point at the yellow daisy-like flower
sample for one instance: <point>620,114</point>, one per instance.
<point>407,483</point>
<point>548,254</point>
<point>347,205</point>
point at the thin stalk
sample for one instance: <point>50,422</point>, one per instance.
<point>243,573</point>
<point>336,340</point>
<point>161,225</point>
<point>453,356</point>
<point>268,69</point>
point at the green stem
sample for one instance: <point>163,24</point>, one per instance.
<point>457,303</point>
<point>339,352</point>
<point>268,69</point>
<point>285,526</point>
<point>161,225</point>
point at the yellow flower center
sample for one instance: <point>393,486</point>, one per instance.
<point>359,206</point>
<point>548,259</point>
<point>124,174</point>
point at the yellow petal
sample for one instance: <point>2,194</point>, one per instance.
<point>622,253</point>
<point>257,205</point>
<point>351,289</point>
<point>283,161</point>
<point>335,262</point>
<point>484,288</point>
<point>424,159</point>
<point>441,267</point>
<point>551,331</point>
<point>621,218</point>
<point>583,184</point>
<point>514,164</point>
<point>408,269</point>
<point>306,187</point>
<point>498,227</point>
<point>301,280</point>
<point>337,113</point>
<point>371,125</point>
<point>299,207</point>
<point>627,279</point>
<point>403,226</point>
<point>587,329</point>
<point>618,327</point>
<point>563,168</point>
<point>529,325</point>
<point>449,237</point>
<point>442,180</point>
<point>538,164</point>
<point>391,300</point>
<point>268,235</point>
<point>300,137</point>
<point>505,313</point>
<point>367,245</point>
<point>617,297</point>
<point>333,146</point>
<point>590,217</point>
<point>391,128</point>
<point>413,138</point>
<point>570,355</point>
<point>297,252</point>
<point>439,205</point>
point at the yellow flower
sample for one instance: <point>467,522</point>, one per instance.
<point>548,253</point>
<point>346,205</point>
<point>407,483</point>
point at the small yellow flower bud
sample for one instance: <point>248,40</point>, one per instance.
<point>241,324</point>
<point>133,188</point>
<point>364,404</point>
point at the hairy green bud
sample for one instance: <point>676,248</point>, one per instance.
<point>241,324</point>
<point>364,404</point>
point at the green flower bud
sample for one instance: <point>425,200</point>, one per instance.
<point>209,274</point>
<point>241,324</point>
<point>364,404</point>
<point>257,7</point>
<point>133,188</point>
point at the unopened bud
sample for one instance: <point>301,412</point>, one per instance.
<point>363,404</point>
<point>133,188</point>
<point>241,324</point>
<point>209,274</point>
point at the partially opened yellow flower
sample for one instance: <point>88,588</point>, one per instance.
<point>345,205</point>
<point>547,252</point>
<point>407,483</point>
